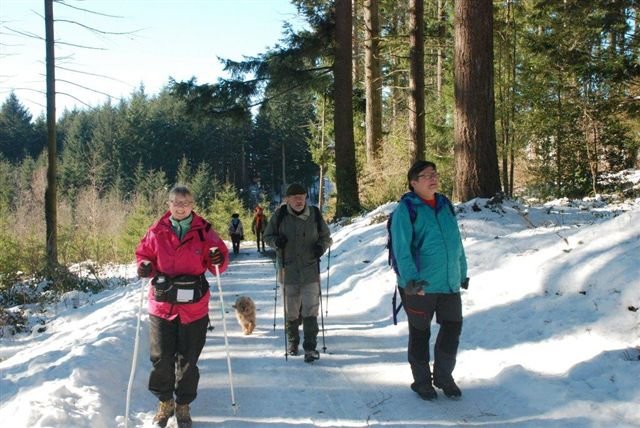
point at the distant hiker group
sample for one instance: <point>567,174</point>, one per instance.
<point>426,253</point>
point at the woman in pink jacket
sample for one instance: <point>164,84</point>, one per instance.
<point>176,251</point>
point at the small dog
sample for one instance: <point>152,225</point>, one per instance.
<point>246,314</point>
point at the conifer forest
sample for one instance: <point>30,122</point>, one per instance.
<point>524,98</point>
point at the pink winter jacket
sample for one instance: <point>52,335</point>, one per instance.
<point>172,257</point>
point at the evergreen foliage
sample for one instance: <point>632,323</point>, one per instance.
<point>566,92</point>
<point>226,203</point>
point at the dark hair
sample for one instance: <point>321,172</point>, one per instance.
<point>235,215</point>
<point>416,169</point>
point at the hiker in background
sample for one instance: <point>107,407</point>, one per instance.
<point>301,236</point>
<point>432,268</point>
<point>257,226</point>
<point>177,250</point>
<point>236,232</point>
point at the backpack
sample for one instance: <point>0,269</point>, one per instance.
<point>392,261</point>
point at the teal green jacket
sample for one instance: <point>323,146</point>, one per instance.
<point>431,248</point>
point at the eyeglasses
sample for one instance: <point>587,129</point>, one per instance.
<point>431,176</point>
<point>182,204</point>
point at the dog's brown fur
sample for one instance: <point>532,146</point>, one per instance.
<point>246,314</point>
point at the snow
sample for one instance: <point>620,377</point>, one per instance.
<point>551,336</point>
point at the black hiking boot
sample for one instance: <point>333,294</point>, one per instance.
<point>311,355</point>
<point>424,390</point>
<point>449,388</point>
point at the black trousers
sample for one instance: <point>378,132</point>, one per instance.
<point>260,239</point>
<point>420,311</point>
<point>175,349</point>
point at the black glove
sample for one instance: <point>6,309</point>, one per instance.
<point>465,283</point>
<point>281,241</point>
<point>318,251</point>
<point>414,287</point>
<point>217,258</point>
<point>144,270</point>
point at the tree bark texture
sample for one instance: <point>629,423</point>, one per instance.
<point>373,79</point>
<point>50,196</point>
<point>416,80</point>
<point>347,202</point>
<point>476,161</point>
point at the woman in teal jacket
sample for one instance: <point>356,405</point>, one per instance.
<point>432,268</point>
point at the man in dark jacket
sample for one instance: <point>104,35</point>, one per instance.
<point>432,268</point>
<point>301,236</point>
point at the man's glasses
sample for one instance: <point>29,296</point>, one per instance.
<point>431,176</point>
<point>182,204</point>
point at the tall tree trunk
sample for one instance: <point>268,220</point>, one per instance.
<point>50,196</point>
<point>476,160</point>
<point>347,202</point>
<point>356,43</point>
<point>416,79</point>
<point>323,163</point>
<point>440,49</point>
<point>396,93</point>
<point>373,78</point>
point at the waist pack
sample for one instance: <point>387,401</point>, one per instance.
<point>180,289</point>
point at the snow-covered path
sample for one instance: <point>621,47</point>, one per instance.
<point>551,338</point>
<point>360,380</point>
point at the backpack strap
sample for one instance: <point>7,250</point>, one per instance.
<point>318,216</point>
<point>412,216</point>
<point>282,212</point>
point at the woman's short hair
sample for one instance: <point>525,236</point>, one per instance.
<point>180,189</point>
<point>416,169</point>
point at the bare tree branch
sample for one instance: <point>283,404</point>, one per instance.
<point>80,46</point>
<point>77,99</point>
<point>62,3</point>
<point>91,74</point>
<point>28,89</point>
<point>87,88</point>
<point>95,30</point>
<point>25,33</point>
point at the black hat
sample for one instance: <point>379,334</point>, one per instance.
<point>296,189</point>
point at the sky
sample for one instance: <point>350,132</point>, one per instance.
<point>551,335</point>
<point>158,39</point>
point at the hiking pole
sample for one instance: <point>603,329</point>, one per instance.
<point>135,355</point>
<point>324,346</point>
<point>328,273</point>
<point>275,294</point>
<point>284,307</point>
<point>226,342</point>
